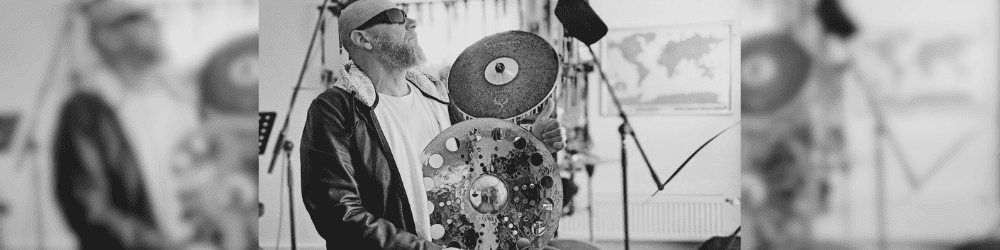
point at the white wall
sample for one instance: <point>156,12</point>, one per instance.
<point>669,140</point>
<point>191,34</point>
<point>32,28</point>
<point>960,201</point>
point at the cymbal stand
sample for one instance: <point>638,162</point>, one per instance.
<point>282,143</point>
<point>625,130</point>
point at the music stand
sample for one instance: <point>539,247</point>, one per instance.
<point>282,143</point>
<point>266,123</point>
<point>8,122</point>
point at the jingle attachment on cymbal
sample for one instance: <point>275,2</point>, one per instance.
<point>501,71</point>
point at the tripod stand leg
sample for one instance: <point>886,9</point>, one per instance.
<point>590,205</point>
<point>291,199</point>
<point>624,160</point>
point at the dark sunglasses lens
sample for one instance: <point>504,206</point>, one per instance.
<point>396,15</point>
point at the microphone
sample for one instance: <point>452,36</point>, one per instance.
<point>580,21</point>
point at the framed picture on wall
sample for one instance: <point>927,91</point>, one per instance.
<point>669,70</point>
<point>930,65</point>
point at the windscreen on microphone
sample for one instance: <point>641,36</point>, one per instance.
<point>581,21</point>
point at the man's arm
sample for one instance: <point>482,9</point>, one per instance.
<point>329,188</point>
<point>89,146</point>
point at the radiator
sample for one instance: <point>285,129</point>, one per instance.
<point>664,218</point>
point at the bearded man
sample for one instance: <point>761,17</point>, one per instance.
<point>113,135</point>
<point>361,175</point>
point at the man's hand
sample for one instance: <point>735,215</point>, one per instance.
<point>547,129</point>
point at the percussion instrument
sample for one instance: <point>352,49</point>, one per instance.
<point>219,186</point>
<point>491,185</point>
<point>220,174</point>
<point>774,70</point>
<point>508,75</point>
<point>229,80</point>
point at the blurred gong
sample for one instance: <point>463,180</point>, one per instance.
<point>220,182</point>
<point>507,75</point>
<point>220,186</point>
<point>229,80</point>
<point>491,185</point>
<point>774,70</point>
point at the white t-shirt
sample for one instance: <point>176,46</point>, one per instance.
<point>409,123</point>
<point>155,120</point>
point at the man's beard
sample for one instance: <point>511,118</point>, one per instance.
<point>399,55</point>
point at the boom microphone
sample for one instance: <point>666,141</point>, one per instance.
<point>580,21</point>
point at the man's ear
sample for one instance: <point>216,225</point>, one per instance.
<point>360,39</point>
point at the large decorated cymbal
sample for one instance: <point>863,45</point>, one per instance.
<point>491,185</point>
<point>503,75</point>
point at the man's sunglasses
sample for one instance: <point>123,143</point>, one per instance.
<point>390,16</point>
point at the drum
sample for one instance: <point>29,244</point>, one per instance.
<point>491,185</point>
<point>509,75</point>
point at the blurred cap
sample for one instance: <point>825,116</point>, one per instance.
<point>358,13</point>
<point>110,12</point>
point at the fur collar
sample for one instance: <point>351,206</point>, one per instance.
<point>354,81</point>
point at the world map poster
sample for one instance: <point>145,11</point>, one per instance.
<point>669,70</point>
<point>928,65</point>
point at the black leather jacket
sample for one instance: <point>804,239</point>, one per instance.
<point>99,185</point>
<point>350,182</point>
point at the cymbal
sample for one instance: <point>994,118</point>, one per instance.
<point>491,185</point>
<point>503,75</point>
<point>774,70</point>
<point>229,81</point>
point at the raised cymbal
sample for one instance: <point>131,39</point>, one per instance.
<point>503,75</point>
<point>774,71</point>
<point>491,185</point>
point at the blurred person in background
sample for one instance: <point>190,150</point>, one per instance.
<point>789,183</point>
<point>825,32</point>
<point>115,134</point>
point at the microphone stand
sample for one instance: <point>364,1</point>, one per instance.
<point>624,130</point>
<point>287,146</point>
<point>881,135</point>
<point>590,200</point>
<point>28,143</point>
<point>281,143</point>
